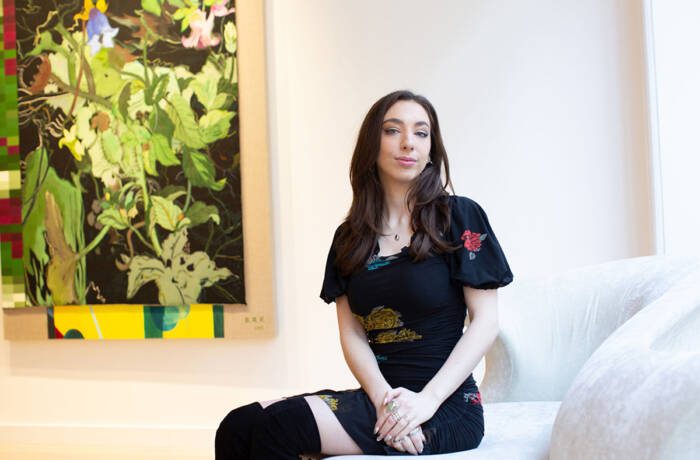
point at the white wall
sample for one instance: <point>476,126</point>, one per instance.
<point>676,82</point>
<point>542,106</point>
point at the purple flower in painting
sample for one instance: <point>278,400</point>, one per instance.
<point>100,34</point>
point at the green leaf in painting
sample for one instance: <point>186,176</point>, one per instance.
<point>111,147</point>
<point>152,6</point>
<point>186,129</point>
<point>142,269</point>
<point>205,84</point>
<point>113,218</point>
<point>46,43</point>
<point>107,171</point>
<point>39,178</point>
<point>170,190</point>
<point>200,170</point>
<point>162,152</point>
<point>124,101</point>
<point>167,214</point>
<point>230,37</point>
<point>180,276</point>
<point>215,125</point>
<point>187,273</point>
<point>108,81</point>
<point>199,213</point>
<point>159,122</point>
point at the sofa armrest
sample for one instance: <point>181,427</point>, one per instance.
<point>637,396</point>
<point>550,326</point>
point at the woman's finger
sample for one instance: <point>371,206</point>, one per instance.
<point>403,427</point>
<point>407,444</point>
<point>418,438</point>
<point>388,419</point>
<point>400,428</point>
<point>386,428</point>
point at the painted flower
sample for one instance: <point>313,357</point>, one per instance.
<point>71,141</point>
<point>201,27</point>
<point>100,34</point>
<point>220,9</point>
<point>472,242</point>
<point>88,6</point>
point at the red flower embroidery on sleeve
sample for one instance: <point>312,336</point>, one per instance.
<point>472,241</point>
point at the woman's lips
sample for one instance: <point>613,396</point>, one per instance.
<point>406,161</point>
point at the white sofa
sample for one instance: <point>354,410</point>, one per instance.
<point>598,362</point>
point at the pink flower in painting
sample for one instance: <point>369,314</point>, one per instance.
<point>201,28</point>
<point>220,8</point>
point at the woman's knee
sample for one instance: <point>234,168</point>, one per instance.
<point>240,417</point>
<point>233,436</point>
<point>286,424</point>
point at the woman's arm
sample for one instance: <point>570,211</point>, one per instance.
<point>482,306</point>
<point>359,355</point>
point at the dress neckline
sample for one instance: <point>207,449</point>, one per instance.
<point>403,250</point>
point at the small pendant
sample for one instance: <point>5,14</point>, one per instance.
<point>396,237</point>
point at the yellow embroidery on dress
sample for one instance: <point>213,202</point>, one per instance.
<point>381,317</point>
<point>331,401</point>
<point>403,335</point>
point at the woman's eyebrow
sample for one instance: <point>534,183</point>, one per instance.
<point>400,122</point>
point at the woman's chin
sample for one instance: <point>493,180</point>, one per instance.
<point>404,177</point>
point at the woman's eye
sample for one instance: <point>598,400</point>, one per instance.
<point>391,130</point>
<point>422,134</point>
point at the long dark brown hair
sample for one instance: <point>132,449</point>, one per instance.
<point>430,213</point>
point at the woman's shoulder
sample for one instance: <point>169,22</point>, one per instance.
<point>459,204</point>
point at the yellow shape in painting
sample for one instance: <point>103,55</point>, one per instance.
<point>198,323</point>
<point>104,322</point>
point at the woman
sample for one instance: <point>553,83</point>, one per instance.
<point>401,269</point>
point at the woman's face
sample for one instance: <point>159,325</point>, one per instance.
<point>405,144</point>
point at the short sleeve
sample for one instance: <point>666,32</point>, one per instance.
<point>334,285</point>
<point>479,262</point>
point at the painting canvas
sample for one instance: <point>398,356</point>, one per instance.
<point>128,131</point>
<point>65,159</point>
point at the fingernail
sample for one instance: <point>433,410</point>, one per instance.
<point>375,430</point>
<point>379,438</point>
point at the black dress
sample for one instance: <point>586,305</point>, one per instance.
<point>414,313</point>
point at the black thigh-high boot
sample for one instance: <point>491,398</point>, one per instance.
<point>286,429</point>
<point>234,435</point>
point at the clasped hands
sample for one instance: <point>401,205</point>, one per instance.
<point>399,417</point>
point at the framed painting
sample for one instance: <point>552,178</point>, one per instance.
<point>129,213</point>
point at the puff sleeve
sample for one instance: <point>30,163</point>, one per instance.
<point>479,262</point>
<point>334,285</point>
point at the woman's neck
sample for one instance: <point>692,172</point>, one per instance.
<point>396,213</point>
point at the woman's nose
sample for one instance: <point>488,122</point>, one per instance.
<point>407,144</point>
